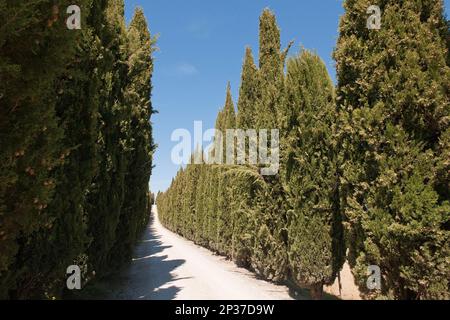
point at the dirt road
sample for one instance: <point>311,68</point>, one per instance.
<point>167,266</point>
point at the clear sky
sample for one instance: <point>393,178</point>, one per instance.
<point>201,47</point>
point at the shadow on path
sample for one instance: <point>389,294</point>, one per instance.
<point>149,276</point>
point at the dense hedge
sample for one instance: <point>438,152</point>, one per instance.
<point>393,99</point>
<point>76,144</point>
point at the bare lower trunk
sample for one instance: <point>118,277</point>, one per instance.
<point>316,291</point>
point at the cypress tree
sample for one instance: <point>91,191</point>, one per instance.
<point>65,241</point>
<point>137,136</point>
<point>193,175</point>
<point>107,193</point>
<point>35,47</point>
<point>271,236</point>
<point>244,182</point>
<point>394,103</point>
<point>200,206</point>
<point>67,101</point>
<point>212,207</point>
<point>229,111</point>
<point>226,120</point>
<point>248,93</point>
<point>245,179</point>
<point>271,65</point>
<point>310,175</point>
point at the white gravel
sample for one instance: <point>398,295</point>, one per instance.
<point>167,266</point>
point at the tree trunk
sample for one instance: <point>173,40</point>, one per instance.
<point>316,291</point>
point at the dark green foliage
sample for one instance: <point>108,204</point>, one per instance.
<point>77,106</point>
<point>245,179</point>
<point>224,219</point>
<point>76,142</point>
<point>248,93</point>
<point>394,102</point>
<point>137,138</point>
<point>310,174</point>
<point>271,73</point>
<point>35,47</point>
<point>106,196</point>
<point>270,252</point>
<point>229,112</point>
<point>269,257</point>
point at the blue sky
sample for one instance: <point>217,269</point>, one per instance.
<point>201,47</point>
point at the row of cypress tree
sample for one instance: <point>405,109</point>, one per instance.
<point>76,140</point>
<point>363,170</point>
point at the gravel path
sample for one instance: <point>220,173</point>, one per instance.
<point>167,266</point>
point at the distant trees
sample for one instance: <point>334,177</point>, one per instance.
<point>76,142</point>
<point>393,98</point>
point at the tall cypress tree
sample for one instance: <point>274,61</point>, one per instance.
<point>393,97</point>
<point>245,179</point>
<point>212,196</point>
<point>65,241</point>
<point>224,222</point>
<point>35,47</point>
<point>200,206</point>
<point>271,65</point>
<point>316,249</point>
<point>137,137</point>
<point>270,258</point>
<point>229,111</point>
<point>67,102</point>
<point>107,193</point>
<point>248,93</point>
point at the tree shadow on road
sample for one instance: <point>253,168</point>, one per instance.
<point>148,277</point>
